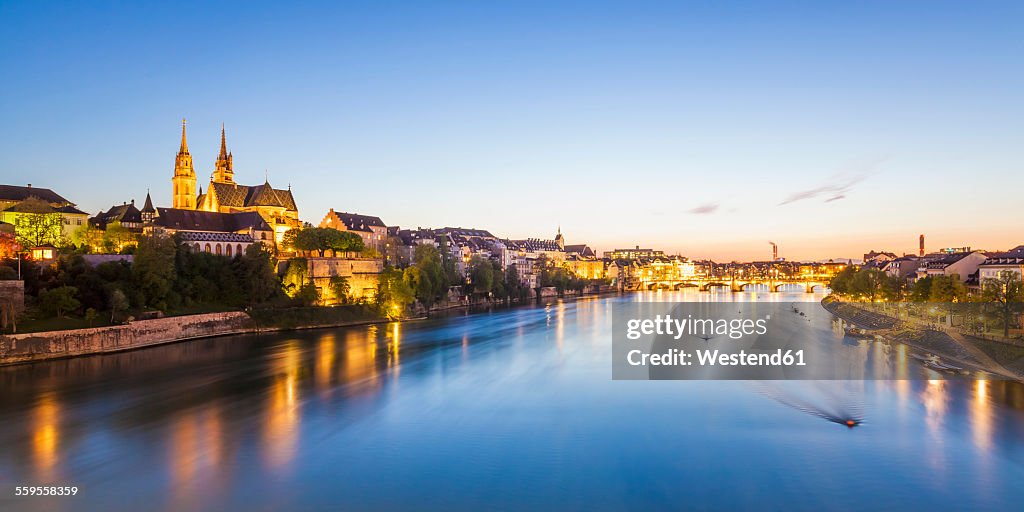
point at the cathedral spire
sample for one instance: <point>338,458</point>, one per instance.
<point>184,144</point>
<point>184,180</point>
<point>223,144</point>
<point>225,172</point>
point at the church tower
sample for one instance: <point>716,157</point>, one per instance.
<point>184,180</point>
<point>225,171</point>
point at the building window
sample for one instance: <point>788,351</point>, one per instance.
<point>228,251</point>
<point>218,250</point>
<point>240,251</point>
<point>208,247</point>
<point>196,247</point>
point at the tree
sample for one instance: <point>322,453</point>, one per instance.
<point>841,283</point>
<point>8,244</point>
<point>1005,294</point>
<point>118,302</point>
<point>870,283</point>
<point>59,300</point>
<point>116,238</point>
<point>153,269</point>
<point>393,292</point>
<point>256,275</point>
<point>37,223</point>
<point>481,275</point>
<point>947,289</point>
<point>89,237</point>
<point>427,275</point>
<point>922,290</point>
<point>513,284</point>
<point>321,240</point>
<point>349,242</point>
<point>340,288</point>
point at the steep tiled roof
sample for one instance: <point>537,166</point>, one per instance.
<point>469,232</point>
<point>535,244</point>
<point>194,220</point>
<point>356,222</point>
<point>121,213</point>
<point>16,193</point>
<point>948,260</point>
<point>580,249</point>
<point>230,194</point>
<point>71,209</point>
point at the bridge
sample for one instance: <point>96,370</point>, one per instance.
<point>733,284</point>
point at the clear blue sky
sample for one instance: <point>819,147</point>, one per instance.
<point>683,126</point>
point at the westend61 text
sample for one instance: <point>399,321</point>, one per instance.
<point>680,357</point>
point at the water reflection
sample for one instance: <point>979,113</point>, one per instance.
<point>282,416</point>
<point>46,437</point>
<point>523,392</point>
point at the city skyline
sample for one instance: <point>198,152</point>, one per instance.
<point>862,132</point>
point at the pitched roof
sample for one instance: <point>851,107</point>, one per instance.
<point>239,196</point>
<point>356,222</point>
<point>71,210</point>
<point>16,193</point>
<point>581,249</point>
<point>948,260</point>
<point>148,207</point>
<point>121,213</point>
<point>468,232</point>
<point>534,244</point>
<point>194,220</point>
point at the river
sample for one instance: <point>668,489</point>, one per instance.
<point>511,409</point>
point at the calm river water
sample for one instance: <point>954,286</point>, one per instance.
<point>508,410</point>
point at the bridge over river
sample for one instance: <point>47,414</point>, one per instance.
<point>773,284</point>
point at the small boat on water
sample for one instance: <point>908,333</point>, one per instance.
<point>943,366</point>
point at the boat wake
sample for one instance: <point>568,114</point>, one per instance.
<point>833,401</point>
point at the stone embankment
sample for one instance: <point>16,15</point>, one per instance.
<point>951,346</point>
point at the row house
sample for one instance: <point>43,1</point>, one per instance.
<point>996,264</point>
<point>964,265</point>
<point>371,229</point>
<point>126,215</point>
<point>20,203</point>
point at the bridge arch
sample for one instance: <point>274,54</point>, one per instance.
<point>714,284</point>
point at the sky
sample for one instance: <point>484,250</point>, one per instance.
<point>705,129</point>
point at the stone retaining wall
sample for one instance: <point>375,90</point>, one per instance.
<point>19,348</point>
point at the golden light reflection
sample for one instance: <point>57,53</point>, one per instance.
<point>981,415</point>
<point>560,325</point>
<point>46,437</point>
<point>282,421</point>
<point>935,398</point>
<point>394,348</point>
<point>902,364</point>
<point>196,455</point>
<point>359,364</point>
<point>325,358</point>
<point>183,458</point>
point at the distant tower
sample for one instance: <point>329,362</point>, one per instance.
<point>225,172</point>
<point>560,239</point>
<point>184,180</point>
<point>922,245</point>
<point>148,212</point>
<point>775,251</point>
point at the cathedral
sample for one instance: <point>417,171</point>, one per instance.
<point>276,206</point>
